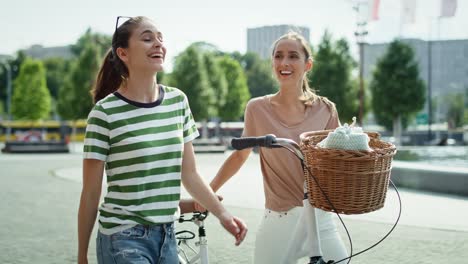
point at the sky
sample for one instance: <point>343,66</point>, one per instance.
<point>222,23</point>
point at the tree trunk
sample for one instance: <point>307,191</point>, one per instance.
<point>217,132</point>
<point>204,133</point>
<point>397,130</point>
<point>73,136</point>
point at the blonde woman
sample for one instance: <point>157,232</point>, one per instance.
<point>288,113</point>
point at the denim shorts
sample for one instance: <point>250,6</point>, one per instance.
<point>155,244</point>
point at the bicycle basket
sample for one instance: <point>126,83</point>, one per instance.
<point>355,181</point>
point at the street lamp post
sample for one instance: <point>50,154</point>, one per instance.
<point>8,99</point>
<point>360,7</point>
<point>429,90</point>
<point>360,34</point>
<point>8,84</point>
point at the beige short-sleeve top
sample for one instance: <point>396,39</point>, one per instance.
<point>283,178</point>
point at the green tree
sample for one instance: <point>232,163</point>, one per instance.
<point>31,98</point>
<point>259,74</point>
<point>102,41</point>
<point>465,117</point>
<point>189,74</point>
<point>397,91</point>
<point>75,99</point>
<point>455,110</point>
<point>3,84</point>
<point>217,79</point>
<point>239,57</point>
<point>56,69</point>
<point>3,87</point>
<point>15,65</point>
<point>238,91</point>
<point>206,47</point>
<point>331,76</point>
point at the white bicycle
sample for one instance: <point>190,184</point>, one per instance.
<point>191,253</point>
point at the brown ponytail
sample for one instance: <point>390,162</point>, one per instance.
<point>113,70</point>
<point>108,79</point>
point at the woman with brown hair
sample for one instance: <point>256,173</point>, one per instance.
<point>140,132</point>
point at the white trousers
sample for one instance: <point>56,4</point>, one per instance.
<point>283,237</point>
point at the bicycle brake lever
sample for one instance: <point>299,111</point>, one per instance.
<point>200,216</point>
<point>275,145</point>
<point>181,219</point>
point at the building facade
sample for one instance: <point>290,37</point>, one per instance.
<point>40,52</point>
<point>260,39</point>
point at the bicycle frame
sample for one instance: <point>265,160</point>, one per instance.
<point>200,256</point>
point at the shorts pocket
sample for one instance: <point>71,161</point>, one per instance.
<point>137,231</point>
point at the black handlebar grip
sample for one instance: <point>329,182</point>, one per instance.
<point>250,142</point>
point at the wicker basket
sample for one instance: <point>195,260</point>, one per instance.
<point>355,181</point>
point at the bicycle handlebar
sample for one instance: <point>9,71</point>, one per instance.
<point>196,216</point>
<point>267,141</point>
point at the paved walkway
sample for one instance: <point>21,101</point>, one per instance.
<point>39,197</point>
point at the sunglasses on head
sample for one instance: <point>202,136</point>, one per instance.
<point>121,18</point>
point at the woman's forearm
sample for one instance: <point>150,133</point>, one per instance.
<point>89,202</point>
<point>195,184</point>
<point>86,218</point>
<point>202,193</point>
<point>230,167</point>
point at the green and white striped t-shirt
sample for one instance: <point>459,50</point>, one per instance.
<point>142,145</point>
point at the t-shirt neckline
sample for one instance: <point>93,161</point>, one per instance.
<point>267,98</point>
<point>140,104</point>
